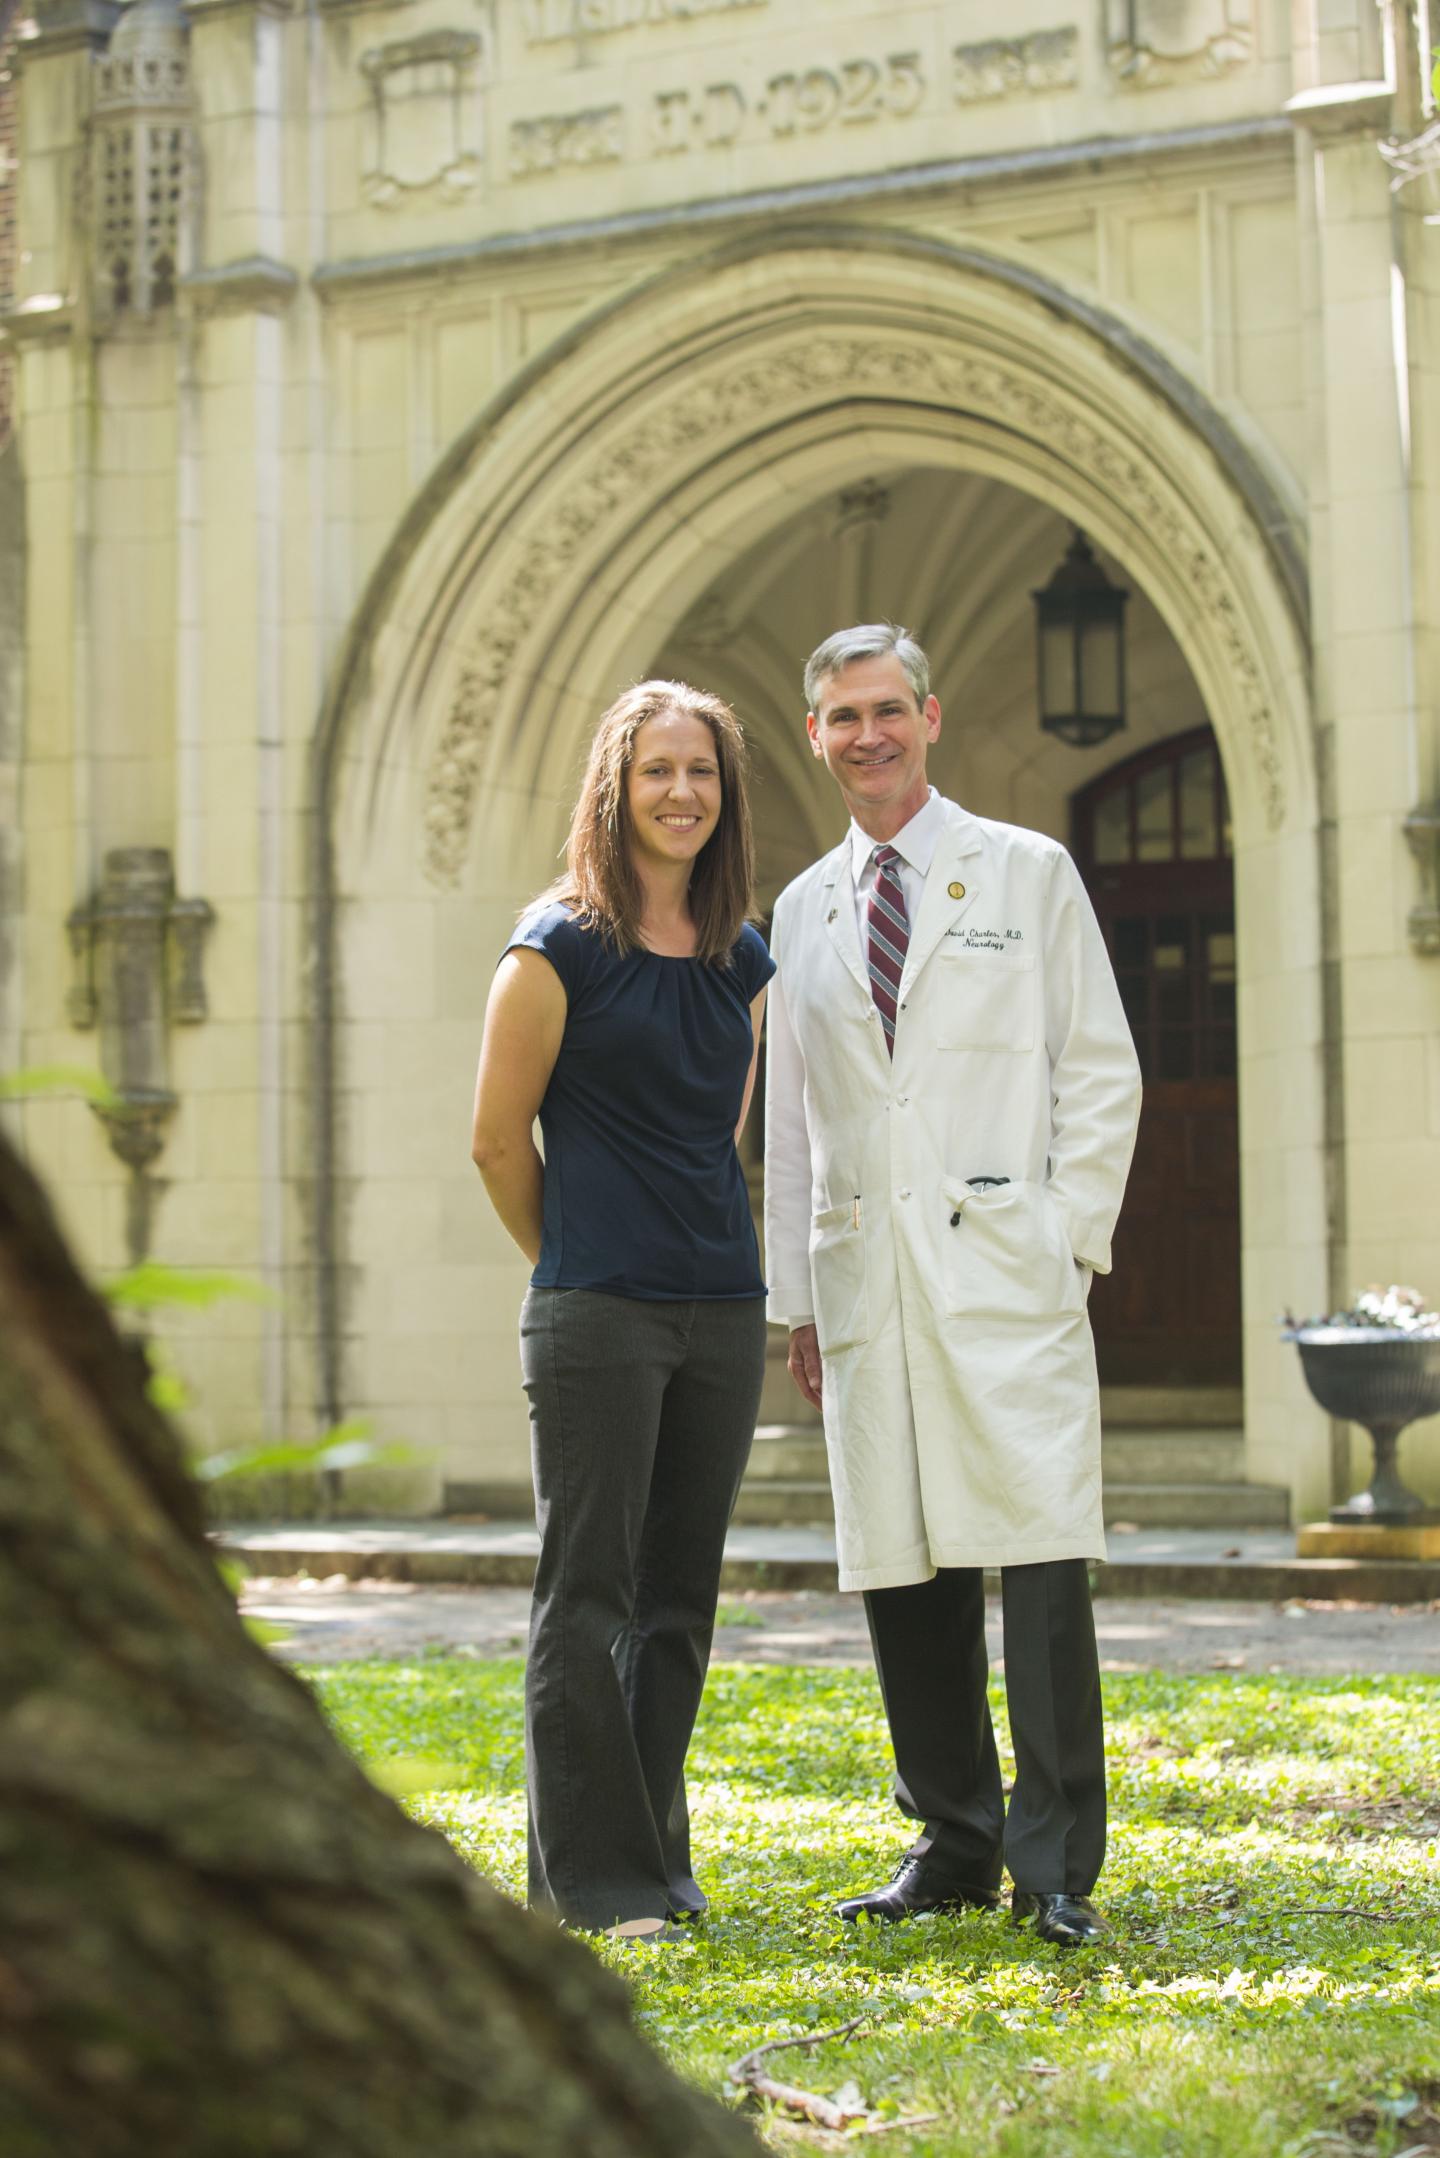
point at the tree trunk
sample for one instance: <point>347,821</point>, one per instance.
<point>217,1938</point>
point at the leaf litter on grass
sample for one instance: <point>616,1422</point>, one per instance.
<point>1239,2008</point>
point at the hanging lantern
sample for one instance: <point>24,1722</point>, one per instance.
<point>1080,633</point>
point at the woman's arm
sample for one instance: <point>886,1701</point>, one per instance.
<point>757,1014</point>
<point>524,1021</point>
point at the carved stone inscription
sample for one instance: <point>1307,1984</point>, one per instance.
<point>558,139</point>
<point>1003,67</point>
<point>855,91</point>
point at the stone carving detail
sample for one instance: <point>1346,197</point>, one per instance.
<point>646,459</point>
<point>1153,42</point>
<point>425,121</point>
<point>549,22</point>
<point>708,629</point>
<point>455,769</point>
<point>861,507</point>
<point>141,161</point>
<point>136,950</point>
<point>1003,67</point>
<point>557,139</point>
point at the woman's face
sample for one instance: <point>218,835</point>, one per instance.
<point>673,787</point>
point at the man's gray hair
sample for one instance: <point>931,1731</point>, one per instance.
<point>870,640</point>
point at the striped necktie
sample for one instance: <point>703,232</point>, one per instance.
<point>887,939</point>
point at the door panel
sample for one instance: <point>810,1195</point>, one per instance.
<point>1152,841</point>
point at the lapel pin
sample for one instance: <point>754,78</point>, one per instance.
<point>832,914</point>
<point>957,891</point>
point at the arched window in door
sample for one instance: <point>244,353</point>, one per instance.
<point>1151,838</point>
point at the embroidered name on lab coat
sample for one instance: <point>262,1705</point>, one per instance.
<point>985,940</point>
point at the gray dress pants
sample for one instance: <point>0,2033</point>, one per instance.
<point>641,1418</point>
<point>929,1642</point>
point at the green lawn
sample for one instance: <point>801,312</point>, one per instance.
<point>1222,2018</point>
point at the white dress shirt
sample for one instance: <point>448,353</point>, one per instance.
<point>915,843</point>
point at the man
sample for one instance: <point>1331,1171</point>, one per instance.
<point>952,1096</point>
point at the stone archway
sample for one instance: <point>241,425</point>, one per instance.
<point>563,541</point>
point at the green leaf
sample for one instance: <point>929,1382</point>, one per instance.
<point>344,1446</point>
<point>149,1286</point>
<point>59,1079</point>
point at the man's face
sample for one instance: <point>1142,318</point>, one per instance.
<point>874,737</point>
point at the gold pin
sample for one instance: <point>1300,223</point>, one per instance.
<point>957,891</point>
<point>832,914</point>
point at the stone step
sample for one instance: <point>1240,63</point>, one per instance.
<point>795,1501</point>
<point>1167,1455</point>
<point>794,1452</point>
<point>1198,1506</point>
<point>788,1502</point>
<point>1156,1406</point>
<point>501,1554</point>
<point>790,1451</point>
<point>1148,1407</point>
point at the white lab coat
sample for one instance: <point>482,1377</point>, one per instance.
<point>962,1415</point>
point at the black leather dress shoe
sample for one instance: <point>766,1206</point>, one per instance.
<point>1068,1921</point>
<point>913,1888</point>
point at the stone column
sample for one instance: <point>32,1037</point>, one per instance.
<point>240,785</point>
<point>1373,484</point>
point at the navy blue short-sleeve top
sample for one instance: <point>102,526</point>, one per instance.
<point>644,1192</point>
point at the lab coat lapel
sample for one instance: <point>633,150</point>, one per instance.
<point>940,909</point>
<point>838,893</point>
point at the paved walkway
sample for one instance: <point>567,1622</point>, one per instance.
<point>338,1619</point>
<point>1250,1565</point>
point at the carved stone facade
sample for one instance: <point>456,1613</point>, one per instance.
<point>142,162</point>
<point>516,347</point>
<point>1001,67</point>
<point>1153,43</point>
<point>427,122</point>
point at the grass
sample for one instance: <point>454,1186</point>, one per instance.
<point>1223,2018</point>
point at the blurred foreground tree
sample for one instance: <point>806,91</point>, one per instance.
<point>217,1938</point>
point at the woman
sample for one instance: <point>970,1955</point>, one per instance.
<point>626,1014</point>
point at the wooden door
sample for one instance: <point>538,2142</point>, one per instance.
<point>1152,840</point>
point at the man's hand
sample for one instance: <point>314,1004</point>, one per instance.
<point>804,1361</point>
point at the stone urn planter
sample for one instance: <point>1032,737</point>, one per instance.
<point>1383,1376</point>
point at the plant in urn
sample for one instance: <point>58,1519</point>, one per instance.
<point>1377,1364</point>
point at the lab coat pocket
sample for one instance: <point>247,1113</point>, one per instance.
<point>988,996</point>
<point>1006,1254</point>
<point>838,1277</point>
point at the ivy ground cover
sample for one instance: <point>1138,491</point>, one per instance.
<point>1272,1987</point>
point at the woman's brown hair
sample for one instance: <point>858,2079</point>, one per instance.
<point>600,883</point>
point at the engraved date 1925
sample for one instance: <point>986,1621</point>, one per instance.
<point>852,92</point>
<point>849,93</point>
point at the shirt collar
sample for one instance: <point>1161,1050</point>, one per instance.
<point>915,842</point>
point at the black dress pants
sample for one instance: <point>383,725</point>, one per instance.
<point>641,1417</point>
<point>929,1641</point>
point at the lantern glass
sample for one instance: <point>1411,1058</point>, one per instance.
<point>1057,670</point>
<point>1100,670</point>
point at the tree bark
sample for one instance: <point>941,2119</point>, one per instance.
<point>217,1938</point>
